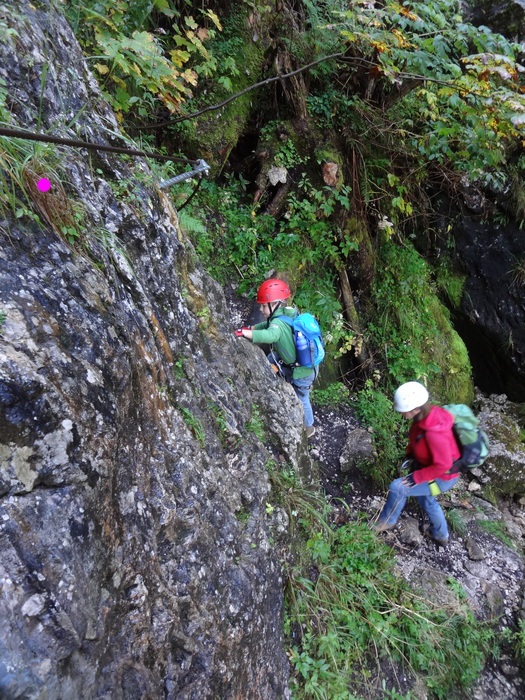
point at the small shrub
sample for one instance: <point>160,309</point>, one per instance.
<point>350,608</point>
<point>518,273</point>
<point>307,510</point>
<point>194,424</point>
<point>22,165</point>
<point>389,431</point>
<point>520,642</point>
<point>227,439</point>
<point>138,68</point>
<point>256,424</point>
<point>456,521</point>
<point>336,394</point>
<point>178,369</point>
<point>242,516</point>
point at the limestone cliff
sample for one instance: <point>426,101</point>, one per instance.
<point>137,559</point>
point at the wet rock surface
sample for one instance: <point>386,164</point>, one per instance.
<point>137,557</point>
<point>491,316</point>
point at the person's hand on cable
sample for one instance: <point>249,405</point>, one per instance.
<point>244,332</point>
<point>407,464</point>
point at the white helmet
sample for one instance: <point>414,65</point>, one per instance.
<point>409,396</point>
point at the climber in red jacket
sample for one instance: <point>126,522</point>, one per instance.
<point>433,449</point>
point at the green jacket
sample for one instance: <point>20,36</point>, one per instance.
<point>280,336</point>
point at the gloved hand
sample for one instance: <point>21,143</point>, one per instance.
<point>408,480</point>
<point>407,464</point>
<point>239,331</point>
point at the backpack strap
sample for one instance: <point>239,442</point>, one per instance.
<point>287,319</point>
<point>288,323</point>
<point>456,467</point>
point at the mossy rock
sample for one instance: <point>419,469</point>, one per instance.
<point>213,135</point>
<point>329,372</point>
<point>454,384</point>
<point>414,328</point>
<point>505,465</point>
<point>361,262</point>
<point>451,283</point>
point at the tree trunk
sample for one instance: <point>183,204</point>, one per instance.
<point>348,300</point>
<point>360,351</point>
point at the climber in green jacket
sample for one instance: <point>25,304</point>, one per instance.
<point>272,297</point>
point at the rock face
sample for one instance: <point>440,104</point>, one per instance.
<point>507,18</point>
<point>491,320</point>
<point>134,430</point>
<point>505,466</point>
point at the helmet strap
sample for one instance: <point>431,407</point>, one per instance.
<point>273,310</point>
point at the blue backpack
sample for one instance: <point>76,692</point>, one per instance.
<point>305,327</point>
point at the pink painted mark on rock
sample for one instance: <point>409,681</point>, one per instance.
<point>44,185</point>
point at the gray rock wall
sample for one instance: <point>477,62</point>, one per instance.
<point>505,17</point>
<point>491,319</point>
<point>137,559</point>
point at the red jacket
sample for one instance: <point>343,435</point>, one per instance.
<point>432,443</point>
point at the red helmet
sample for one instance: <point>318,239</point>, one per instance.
<point>273,290</point>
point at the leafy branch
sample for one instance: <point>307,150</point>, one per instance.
<point>267,81</point>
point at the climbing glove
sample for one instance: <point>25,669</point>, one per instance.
<point>408,480</point>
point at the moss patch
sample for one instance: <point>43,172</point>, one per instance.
<point>449,351</point>
<point>450,282</point>
<point>414,328</point>
<point>214,134</point>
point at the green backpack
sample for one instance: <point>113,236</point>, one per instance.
<point>473,442</point>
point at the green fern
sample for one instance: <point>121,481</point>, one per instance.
<point>190,225</point>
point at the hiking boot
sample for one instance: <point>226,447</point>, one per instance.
<point>378,526</point>
<point>310,431</point>
<point>437,540</point>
